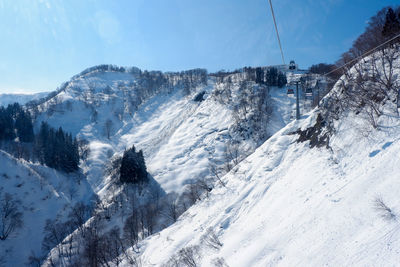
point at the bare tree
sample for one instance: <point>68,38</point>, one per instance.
<point>150,212</point>
<point>231,154</point>
<point>385,212</point>
<point>192,193</point>
<point>111,247</point>
<point>370,84</point>
<point>216,172</point>
<point>131,229</point>
<point>92,255</point>
<point>108,127</point>
<point>189,256</point>
<point>54,233</point>
<point>219,262</point>
<point>78,215</point>
<point>83,148</point>
<point>210,238</point>
<point>10,216</point>
<point>171,208</point>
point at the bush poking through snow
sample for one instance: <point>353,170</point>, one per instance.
<point>219,262</point>
<point>315,134</point>
<point>211,239</point>
<point>385,212</point>
<point>187,257</point>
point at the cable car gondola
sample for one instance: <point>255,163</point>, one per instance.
<point>292,65</point>
<point>290,91</point>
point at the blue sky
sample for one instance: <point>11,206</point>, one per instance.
<point>45,42</point>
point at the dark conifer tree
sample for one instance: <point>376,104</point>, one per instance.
<point>7,131</point>
<point>24,126</point>
<point>392,24</point>
<point>57,149</point>
<point>281,81</point>
<point>272,77</point>
<point>13,109</point>
<point>259,75</point>
<point>133,168</point>
<point>40,142</point>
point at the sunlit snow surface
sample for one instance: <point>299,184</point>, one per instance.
<point>290,205</point>
<point>285,204</point>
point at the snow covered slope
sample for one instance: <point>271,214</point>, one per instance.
<point>288,204</point>
<point>184,132</point>
<point>180,137</point>
<point>41,193</point>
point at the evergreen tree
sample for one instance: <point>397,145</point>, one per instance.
<point>14,121</point>
<point>272,77</point>
<point>7,131</point>
<point>259,75</point>
<point>14,109</point>
<point>133,168</point>
<point>24,126</point>
<point>57,149</point>
<point>40,142</point>
<point>392,24</point>
<point>281,81</point>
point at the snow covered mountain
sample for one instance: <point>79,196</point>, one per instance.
<point>323,191</point>
<point>114,109</point>
<point>192,127</point>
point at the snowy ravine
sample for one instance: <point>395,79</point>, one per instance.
<point>42,193</point>
<point>291,205</point>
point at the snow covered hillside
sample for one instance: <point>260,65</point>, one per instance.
<point>156,112</point>
<point>321,191</point>
<point>192,127</point>
<point>39,193</point>
<point>291,205</point>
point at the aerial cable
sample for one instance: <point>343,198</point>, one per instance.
<point>277,33</point>
<point>363,55</point>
